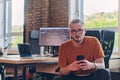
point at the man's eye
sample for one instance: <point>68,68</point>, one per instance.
<point>80,30</point>
<point>73,30</point>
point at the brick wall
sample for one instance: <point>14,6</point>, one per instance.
<point>45,13</point>
<point>58,13</point>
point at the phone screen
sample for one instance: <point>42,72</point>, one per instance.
<point>80,57</point>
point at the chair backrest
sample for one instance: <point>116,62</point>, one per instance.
<point>107,41</point>
<point>95,33</point>
<point>106,38</point>
<point>34,42</point>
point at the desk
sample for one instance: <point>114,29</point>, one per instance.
<point>16,61</point>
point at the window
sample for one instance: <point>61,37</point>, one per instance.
<point>5,22</point>
<point>97,14</point>
<point>17,22</point>
<point>2,23</point>
<point>11,22</point>
<point>102,14</point>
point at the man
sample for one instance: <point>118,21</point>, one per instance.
<point>92,66</point>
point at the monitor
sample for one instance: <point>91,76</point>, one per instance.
<point>53,36</point>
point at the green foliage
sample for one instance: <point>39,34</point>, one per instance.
<point>17,28</point>
<point>17,39</point>
<point>101,20</point>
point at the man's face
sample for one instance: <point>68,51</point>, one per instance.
<point>77,32</point>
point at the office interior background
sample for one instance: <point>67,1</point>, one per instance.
<point>19,17</point>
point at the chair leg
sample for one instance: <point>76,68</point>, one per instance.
<point>2,73</point>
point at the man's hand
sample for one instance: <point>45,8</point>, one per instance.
<point>71,67</point>
<point>74,66</point>
<point>81,65</point>
<point>86,65</point>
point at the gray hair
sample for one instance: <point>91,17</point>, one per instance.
<point>75,21</point>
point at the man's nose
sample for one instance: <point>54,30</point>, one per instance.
<point>78,33</point>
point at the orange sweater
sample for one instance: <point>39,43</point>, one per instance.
<point>90,48</point>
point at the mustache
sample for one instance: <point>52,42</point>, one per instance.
<point>75,39</point>
<point>77,36</point>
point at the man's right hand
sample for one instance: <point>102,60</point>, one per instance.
<point>74,66</point>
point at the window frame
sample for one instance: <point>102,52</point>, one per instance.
<point>6,30</point>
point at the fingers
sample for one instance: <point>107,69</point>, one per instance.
<point>74,66</point>
<point>80,65</point>
<point>85,68</point>
<point>84,65</point>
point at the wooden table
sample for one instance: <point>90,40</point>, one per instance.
<point>15,61</point>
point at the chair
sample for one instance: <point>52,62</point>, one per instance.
<point>107,41</point>
<point>34,48</point>
<point>106,38</point>
<point>95,33</point>
<point>2,72</point>
<point>34,42</point>
<point>1,67</point>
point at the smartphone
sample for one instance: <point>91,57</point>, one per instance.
<point>80,57</point>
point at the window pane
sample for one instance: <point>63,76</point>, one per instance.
<point>116,43</point>
<point>1,23</point>
<point>17,22</point>
<point>100,13</point>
